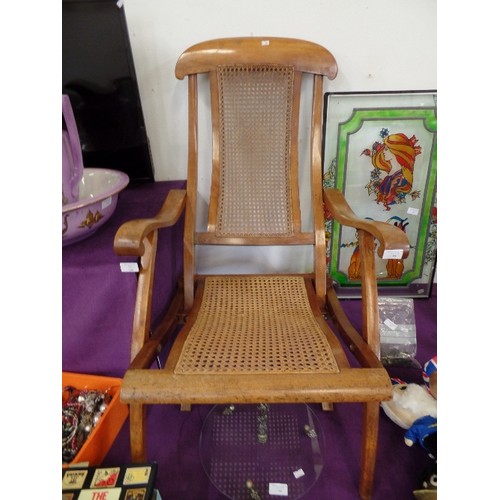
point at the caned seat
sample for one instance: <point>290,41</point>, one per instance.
<point>257,338</point>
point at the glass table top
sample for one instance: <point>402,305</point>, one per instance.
<point>262,451</point>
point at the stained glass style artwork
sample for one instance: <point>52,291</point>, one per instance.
<point>380,150</point>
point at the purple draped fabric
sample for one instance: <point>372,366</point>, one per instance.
<point>98,304</point>
<point>98,299</point>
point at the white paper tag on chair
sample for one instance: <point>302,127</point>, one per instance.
<point>278,489</point>
<point>129,267</point>
<point>393,254</point>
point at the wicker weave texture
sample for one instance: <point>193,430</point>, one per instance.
<point>255,325</point>
<point>255,128</point>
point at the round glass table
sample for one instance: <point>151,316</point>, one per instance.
<point>262,451</point>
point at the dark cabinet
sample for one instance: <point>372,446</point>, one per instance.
<point>99,77</point>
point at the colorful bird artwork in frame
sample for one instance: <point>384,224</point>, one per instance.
<point>380,151</point>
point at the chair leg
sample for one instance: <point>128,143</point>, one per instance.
<point>371,413</point>
<point>137,418</point>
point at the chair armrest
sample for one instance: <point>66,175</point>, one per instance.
<point>129,239</point>
<point>391,238</point>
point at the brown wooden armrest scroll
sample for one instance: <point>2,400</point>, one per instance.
<point>390,237</point>
<point>130,235</point>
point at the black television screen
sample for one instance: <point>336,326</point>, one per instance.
<point>99,77</point>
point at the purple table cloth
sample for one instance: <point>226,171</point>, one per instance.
<point>98,303</point>
<point>98,299</point>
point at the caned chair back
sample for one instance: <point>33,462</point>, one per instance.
<point>255,91</point>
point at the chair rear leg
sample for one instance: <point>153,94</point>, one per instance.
<point>371,413</point>
<point>137,419</point>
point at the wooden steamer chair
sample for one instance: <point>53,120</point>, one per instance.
<point>257,338</point>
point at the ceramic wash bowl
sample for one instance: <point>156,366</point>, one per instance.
<point>98,191</point>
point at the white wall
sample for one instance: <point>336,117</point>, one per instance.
<point>379,45</point>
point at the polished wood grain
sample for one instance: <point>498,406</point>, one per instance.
<point>131,236</point>
<point>316,192</point>
<point>371,415</point>
<point>161,387</point>
<point>305,56</point>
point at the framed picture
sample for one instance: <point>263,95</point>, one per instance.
<point>380,150</point>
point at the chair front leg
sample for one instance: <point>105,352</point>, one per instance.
<point>137,419</point>
<point>371,413</point>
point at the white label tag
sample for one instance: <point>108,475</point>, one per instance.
<point>390,324</point>
<point>412,211</point>
<point>129,267</point>
<point>264,42</point>
<point>299,473</point>
<point>278,489</point>
<point>393,254</point>
<point>107,202</point>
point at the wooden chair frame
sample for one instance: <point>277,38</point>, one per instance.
<point>366,383</point>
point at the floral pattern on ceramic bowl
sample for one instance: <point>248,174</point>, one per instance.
<point>98,195</point>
